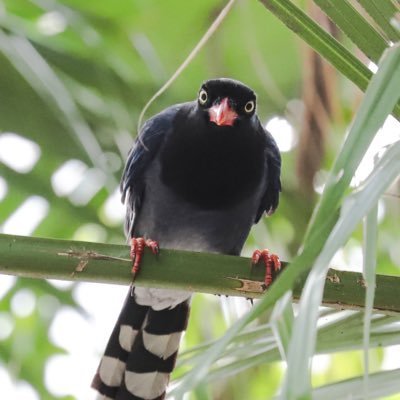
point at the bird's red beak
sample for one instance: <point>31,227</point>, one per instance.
<point>222,114</point>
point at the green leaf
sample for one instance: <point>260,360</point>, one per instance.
<point>320,40</point>
<point>378,102</point>
<point>381,384</point>
<point>326,45</point>
<point>360,32</point>
<point>281,320</point>
<point>34,68</point>
<point>383,12</point>
<point>338,331</point>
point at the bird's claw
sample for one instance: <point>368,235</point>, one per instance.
<point>137,249</point>
<point>271,262</point>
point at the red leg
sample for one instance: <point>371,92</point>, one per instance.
<point>271,262</point>
<point>137,249</point>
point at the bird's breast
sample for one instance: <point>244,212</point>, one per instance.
<point>213,170</point>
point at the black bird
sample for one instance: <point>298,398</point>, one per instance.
<point>198,177</point>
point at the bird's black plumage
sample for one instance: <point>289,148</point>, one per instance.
<point>199,175</point>
<point>210,166</point>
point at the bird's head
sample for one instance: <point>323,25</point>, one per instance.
<point>226,101</point>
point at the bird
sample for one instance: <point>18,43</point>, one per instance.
<point>198,176</point>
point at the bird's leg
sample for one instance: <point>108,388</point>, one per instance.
<point>137,249</point>
<point>271,262</point>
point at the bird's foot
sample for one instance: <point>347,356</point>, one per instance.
<point>271,262</point>
<point>137,249</point>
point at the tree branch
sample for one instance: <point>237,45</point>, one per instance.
<point>197,272</point>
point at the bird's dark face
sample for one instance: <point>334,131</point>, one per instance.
<point>226,101</point>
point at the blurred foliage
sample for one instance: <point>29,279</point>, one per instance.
<point>74,77</point>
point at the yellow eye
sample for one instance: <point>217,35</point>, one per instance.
<point>250,106</point>
<point>203,97</point>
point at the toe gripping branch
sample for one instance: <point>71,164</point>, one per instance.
<point>137,249</point>
<point>271,262</point>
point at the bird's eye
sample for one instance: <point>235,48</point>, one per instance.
<point>203,97</point>
<point>250,106</point>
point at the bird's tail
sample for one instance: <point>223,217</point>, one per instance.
<point>141,352</point>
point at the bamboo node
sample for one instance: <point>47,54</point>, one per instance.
<point>333,278</point>
<point>249,286</point>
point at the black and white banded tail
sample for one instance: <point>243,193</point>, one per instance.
<point>141,352</point>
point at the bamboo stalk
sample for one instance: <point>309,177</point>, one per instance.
<point>197,272</point>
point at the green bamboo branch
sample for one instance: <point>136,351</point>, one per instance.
<point>196,272</point>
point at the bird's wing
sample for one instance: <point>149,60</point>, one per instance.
<point>270,199</point>
<point>140,156</point>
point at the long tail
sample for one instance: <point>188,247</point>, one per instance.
<point>141,352</point>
